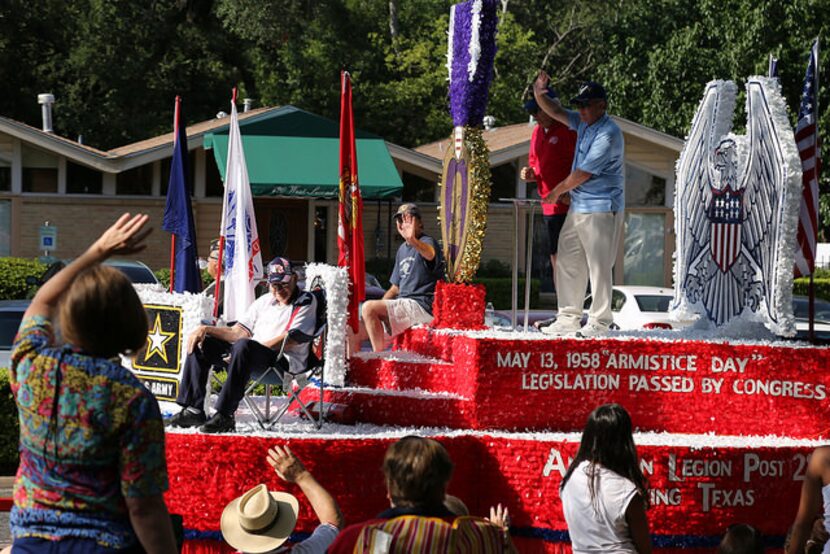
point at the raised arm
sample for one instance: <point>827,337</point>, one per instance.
<point>291,469</point>
<point>551,107</point>
<point>124,237</point>
<point>407,229</point>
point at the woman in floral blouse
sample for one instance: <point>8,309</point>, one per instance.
<point>92,467</point>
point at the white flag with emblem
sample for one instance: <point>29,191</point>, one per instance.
<point>242,258</point>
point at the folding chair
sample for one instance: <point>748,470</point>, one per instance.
<point>293,383</point>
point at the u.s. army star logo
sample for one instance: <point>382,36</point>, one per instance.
<point>163,349</point>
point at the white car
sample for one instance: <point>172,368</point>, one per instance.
<point>821,321</point>
<point>639,307</point>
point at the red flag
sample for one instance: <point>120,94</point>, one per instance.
<point>350,220</point>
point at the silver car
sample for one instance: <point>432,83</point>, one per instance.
<point>11,311</point>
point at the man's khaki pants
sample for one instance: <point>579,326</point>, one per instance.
<point>587,249</point>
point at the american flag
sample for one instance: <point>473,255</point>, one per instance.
<point>809,147</point>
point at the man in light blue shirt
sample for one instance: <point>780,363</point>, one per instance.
<point>588,242</point>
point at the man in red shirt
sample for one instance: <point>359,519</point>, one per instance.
<point>549,162</point>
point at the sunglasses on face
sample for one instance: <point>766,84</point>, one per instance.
<point>280,286</point>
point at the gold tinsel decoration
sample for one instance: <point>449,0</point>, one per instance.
<point>478,178</point>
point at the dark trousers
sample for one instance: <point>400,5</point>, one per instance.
<point>246,356</point>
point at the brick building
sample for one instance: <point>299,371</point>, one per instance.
<point>80,189</point>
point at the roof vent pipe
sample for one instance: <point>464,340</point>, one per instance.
<point>46,100</point>
<point>247,104</point>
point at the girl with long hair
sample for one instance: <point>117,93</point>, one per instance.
<point>604,493</point>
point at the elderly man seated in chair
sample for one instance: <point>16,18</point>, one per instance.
<point>285,315</point>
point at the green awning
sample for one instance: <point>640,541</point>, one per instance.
<point>290,152</point>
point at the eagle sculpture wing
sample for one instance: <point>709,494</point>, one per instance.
<point>770,180</point>
<point>693,195</point>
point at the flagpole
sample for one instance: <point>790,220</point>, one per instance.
<point>217,290</point>
<point>173,235</point>
<point>811,290</point>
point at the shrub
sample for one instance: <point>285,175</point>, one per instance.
<point>9,426</point>
<point>258,390</point>
<point>163,275</point>
<point>495,268</point>
<point>821,284</point>
<point>13,275</point>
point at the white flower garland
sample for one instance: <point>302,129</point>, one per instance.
<point>789,211</point>
<point>475,42</point>
<point>450,39</point>
<point>336,282</point>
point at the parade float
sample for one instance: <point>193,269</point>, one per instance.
<point>726,412</point>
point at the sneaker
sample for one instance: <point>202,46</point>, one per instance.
<point>560,328</point>
<point>544,323</point>
<point>592,330</point>
<point>219,423</point>
<point>185,418</point>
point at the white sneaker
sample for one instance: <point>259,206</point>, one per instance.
<point>561,328</point>
<point>592,330</point>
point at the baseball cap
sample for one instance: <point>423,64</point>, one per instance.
<point>214,248</point>
<point>589,90</point>
<point>279,270</point>
<point>408,208</point>
<point>532,107</point>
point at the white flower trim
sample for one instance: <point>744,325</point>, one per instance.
<point>475,41</point>
<point>336,282</point>
<point>790,205</point>
<point>450,41</point>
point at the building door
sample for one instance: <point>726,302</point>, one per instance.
<point>282,224</point>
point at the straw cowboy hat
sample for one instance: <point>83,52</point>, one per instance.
<point>259,521</point>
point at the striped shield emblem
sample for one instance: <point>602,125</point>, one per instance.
<point>726,215</point>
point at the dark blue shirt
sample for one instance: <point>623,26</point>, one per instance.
<point>415,276</point>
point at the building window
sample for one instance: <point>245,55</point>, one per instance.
<point>213,181</point>
<point>644,257</point>
<point>165,172</point>
<point>504,182</point>
<point>37,179</point>
<point>321,235</point>
<point>417,189</point>
<point>643,188</point>
<point>82,180</point>
<point>137,181</point>
<point>5,178</point>
<point>40,170</point>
